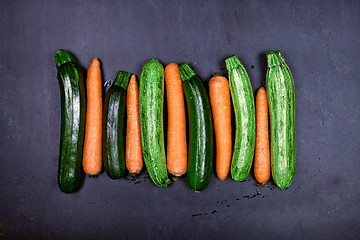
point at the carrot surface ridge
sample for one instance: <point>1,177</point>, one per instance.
<point>221,110</point>
<point>262,150</point>
<point>134,157</point>
<point>92,155</point>
<point>176,133</point>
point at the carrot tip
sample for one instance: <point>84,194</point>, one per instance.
<point>261,89</point>
<point>171,64</point>
<point>133,175</point>
<point>175,178</point>
<point>262,185</point>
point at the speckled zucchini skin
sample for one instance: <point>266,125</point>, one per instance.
<point>244,108</point>
<point>281,96</point>
<point>151,101</point>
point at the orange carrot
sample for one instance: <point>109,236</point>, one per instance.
<point>262,152</point>
<point>221,110</point>
<point>176,135</point>
<point>92,158</point>
<point>134,157</point>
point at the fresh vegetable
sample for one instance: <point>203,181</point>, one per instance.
<point>262,149</point>
<point>281,97</point>
<point>151,101</point>
<point>134,158</point>
<point>114,127</point>
<point>73,108</point>
<point>176,135</point>
<point>221,111</point>
<point>244,108</point>
<point>200,150</point>
<point>92,161</point>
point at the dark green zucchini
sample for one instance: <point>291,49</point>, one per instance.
<point>281,95</point>
<point>73,108</point>
<point>115,126</point>
<point>244,107</point>
<point>151,101</point>
<point>200,152</point>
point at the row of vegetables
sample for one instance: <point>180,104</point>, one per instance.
<point>127,128</point>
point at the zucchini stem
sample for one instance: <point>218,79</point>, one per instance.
<point>62,57</point>
<point>122,79</point>
<point>274,59</point>
<point>186,73</point>
<point>232,62</point>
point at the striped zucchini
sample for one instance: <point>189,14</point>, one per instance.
<point>73,108</point>
<point>244,108</point>
<point>151,101</point>
<point>200,152</point>
<point>281,95</point>
<point>115,126</point>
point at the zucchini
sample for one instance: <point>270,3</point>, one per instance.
<point>114,127</point>
<point>151,101</point>
<point>200,152</point>
<point>73,108</point>
<point>281,95</point>
<point>244,108</point>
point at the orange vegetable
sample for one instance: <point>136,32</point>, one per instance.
<point>134,157</point>
<point>176,135</point>
<point>221,110</point>
<point>262,151</point>
<point>92,155</point>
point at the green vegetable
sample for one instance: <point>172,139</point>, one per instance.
<point>115,126</point>
<point>151,101</point>
<point>73,107</point>
<point>200,151</point>
<point>281,95</point>
<point>244,108</point>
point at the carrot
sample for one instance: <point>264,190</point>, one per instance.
<point>92,155</point>
<point>221,110</point>
<point>262,152</point>
<point>176,134</point>
<point>134,157</point>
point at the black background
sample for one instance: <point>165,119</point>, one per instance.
<point>320,42</point>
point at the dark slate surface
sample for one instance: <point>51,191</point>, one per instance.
<point>320,42</point>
